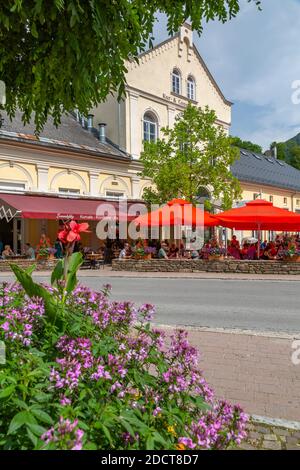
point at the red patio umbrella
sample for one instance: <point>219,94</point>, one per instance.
<point>259,215</point>
<point>176,212</point>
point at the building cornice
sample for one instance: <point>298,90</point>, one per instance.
<point>54,149</point>
<point>167,102</point>
<point>260,184</point>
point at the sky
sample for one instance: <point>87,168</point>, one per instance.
<point>255,60</point>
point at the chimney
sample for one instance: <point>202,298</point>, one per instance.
<point>90,122</point>
<point>273,150</point>
<point>102,136</point>
<point>77,115</point>
<point>82,121</point>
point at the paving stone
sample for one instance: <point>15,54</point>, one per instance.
<point>271,445</point>
<point>254,435</point>
<point>270,437</point>
<point>247,446</point>
<point>292,447</point>
<point>292,440</point>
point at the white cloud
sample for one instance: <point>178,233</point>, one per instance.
<point>255,59</point>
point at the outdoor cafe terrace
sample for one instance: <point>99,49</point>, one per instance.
<point>254,254</point>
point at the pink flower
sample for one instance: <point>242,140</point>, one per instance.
<point>71,232</point>
<point>5,326</point>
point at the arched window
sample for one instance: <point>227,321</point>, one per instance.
<point>150,127</point>
<point>191,88</point>
<point>176,82</point>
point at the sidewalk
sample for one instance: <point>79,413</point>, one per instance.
<point>108,273</point>
<point>254,370</point>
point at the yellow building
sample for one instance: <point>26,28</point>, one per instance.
<point>69,162</point>
<point>159,87</point>
<point>266,177</point>
<point>84,160</point>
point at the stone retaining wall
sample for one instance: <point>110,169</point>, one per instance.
<point>215,266</point>
<point>41,265</point>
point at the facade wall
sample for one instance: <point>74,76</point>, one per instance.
<point>111,113</point>
<point>286,199</point>
<point>46,172</point>
<point>149,88</point>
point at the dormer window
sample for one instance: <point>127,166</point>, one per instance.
<point>191,88</point>
<point>176,82</point>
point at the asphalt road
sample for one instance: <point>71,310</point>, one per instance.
<point>261,305</point>
<point>255,305</point>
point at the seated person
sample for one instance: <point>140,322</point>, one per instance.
<point>194,254</point>
<point>29,251</point>
<point>173,252</point>
<point>182,250</point>
<point>7,252</point>
<point>161,253</point>
<point>252,252</point>
<point>204,252</point>
<point>124,253</point>
<point>244,251</point>
<point>234,248</point>
<point>270,251</point>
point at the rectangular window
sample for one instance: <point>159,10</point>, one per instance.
<point>190,90</point>
<point>298,202</point>
<point>69,190</point>
<point>285,200</point>
<point>176,84</point>
<point>256,196</point>
<point>149,131</point>
<point>115,194</point>
<point>271,198</point>
<point>12,186</point>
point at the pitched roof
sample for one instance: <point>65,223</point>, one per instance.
<point>69,134</point>
<point>257,168</point>
<point>199,57</point>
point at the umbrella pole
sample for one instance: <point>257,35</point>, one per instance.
<point>258,245</point>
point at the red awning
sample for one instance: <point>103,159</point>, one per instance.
<point>45,207</point>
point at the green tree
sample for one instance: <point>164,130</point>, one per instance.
<point>246,144</point>
<point>281,147</point>
<point>295,156</point>
<point>194,154</point>
<point>57,55</point>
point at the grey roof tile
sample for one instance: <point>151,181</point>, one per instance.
<point>257,168</point>
<point>69,133</point>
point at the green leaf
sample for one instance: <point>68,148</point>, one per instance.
<point>42,415</point>
<point>90,446</point>
<point>127,426</point>
<point>107,434</point>
<point>21,418</point>
<point>71,282</point>
<point>57,273</point>
<point>30,269</point>
<point>32,437</point>
<point>150,442</point>
<point>7,391</point>
<point>36,290</point>
<point>21,404</point>
<point>75,261</point>
<point>36,429</point>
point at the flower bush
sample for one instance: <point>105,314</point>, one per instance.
<point>103,379</point>
<point>85,372</point>
<point>216,251</point>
